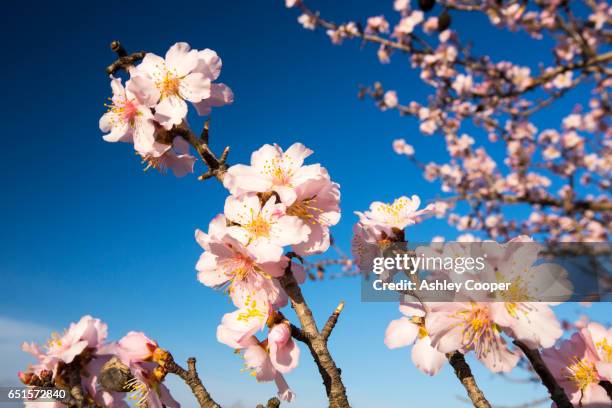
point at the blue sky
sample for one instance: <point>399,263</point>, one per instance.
<point>86,231</point>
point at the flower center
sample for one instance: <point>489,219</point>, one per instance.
<point>582,373</point>
<point>54,342</point>
<point>275,168</point>
<point>394,210</point>
<point>479,330</point>
<point>169,85</point>
<point>307,211</point>
<point>258,227</point>
<point>125,111</point>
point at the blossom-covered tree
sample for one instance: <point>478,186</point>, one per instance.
<point>280,208</point>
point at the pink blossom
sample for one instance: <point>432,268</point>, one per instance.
<point>407,24</point>
<point>401,147</point>
<point>87,333</point>
<point>409,330</point>
<point>563,80</point>
<point>466,326</point>
<point>258,361</point>
<point>267,360</point>
<point>136,347</point>
<point>463,84</point>
<point>307,21</point>
<point>168,83</point>
<point>574,365</point>
<point>599,340</point>
<point>265,230</point>
<point>272,169</point>
<point>317,205</point>
<point>377,24</point>
<point>175,157</point>
<point>147,390</point>
<point>390,99</point>
<point>127,119</point>
<point>245,271</point>
<point>398,215</point>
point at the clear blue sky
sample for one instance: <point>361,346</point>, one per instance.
<point>86,231</point>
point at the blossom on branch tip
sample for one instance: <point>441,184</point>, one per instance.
<point>397,215</point>
<point>167,83</point>
<point>272,169</point>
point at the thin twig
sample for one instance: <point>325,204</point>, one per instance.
<point>331,322</point>
<point>191,378</point>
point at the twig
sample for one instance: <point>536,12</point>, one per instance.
<point>336,392</point>
<point>556,392</point>
<point>272,403</point>
<point>124,61</point>
<point>464,374</point>
<point>191,378</point>
<point>331,322</point>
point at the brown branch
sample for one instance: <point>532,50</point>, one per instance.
<point>191,378</point>
<point>216,166</point>
<point>272,403</point>
<point>464,374</point>
<point>336,392</point>
<point>331,322</point>
<point>556,392</point>
<point>124,61</point>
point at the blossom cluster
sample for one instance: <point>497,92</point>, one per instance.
<point>83,350</point>
<point>562,173</point>
<point>154,101</point>
<point>276,202</point>
<point>487,328</point>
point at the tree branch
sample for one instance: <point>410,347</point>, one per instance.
<point>310,335</point>
<point>272,403</point>
<point>556,392</point>
<point>191,378</point>
<point>331,322</point>
<point>464,374</point>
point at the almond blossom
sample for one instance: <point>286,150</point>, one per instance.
<point>317,205</point>
<point>245,271</point>
<point>466,326</point>
<point>175,157</point>
<point>272,169</point>
<point>410,329</point>
<point>268,360</point>
<point>387,218</point>
<point>265,230</point>
<point>171,81</point>
<point>128,119</point>
<point>574,364</point>
<point>88,333</point>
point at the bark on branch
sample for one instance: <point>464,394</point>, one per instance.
<point>191,378</point>
<point>556,392</point>
<point>464,374</point>
<point>310,335</point>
